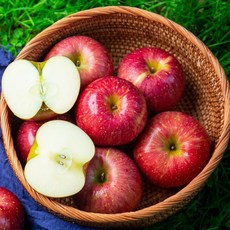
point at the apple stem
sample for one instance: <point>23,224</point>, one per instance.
<point>172,147</point>
<point>113,107</point>
<point>102,177</point>
<point>77,63</point>
<point>152,69</point>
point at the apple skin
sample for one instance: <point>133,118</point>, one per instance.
<point>113,183</point>
<point>90,56</point>
<point>173,149</point>
<point>25,138</point>
<point>112,111</point>
<point>11,211</point>
<point>157,74</point>
<point>26,134</point>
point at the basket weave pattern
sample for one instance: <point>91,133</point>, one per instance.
<point>121,30</point>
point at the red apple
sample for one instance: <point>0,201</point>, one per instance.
<point>25,138</point>
<point>173,149</point>
<point>11,211</point>
<point>113,183</point>
<point>26,134</point>
<point>90,56</point>
<point>157,74</point>
<point>112,111</point>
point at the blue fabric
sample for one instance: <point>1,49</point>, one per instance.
<point>36,217</point>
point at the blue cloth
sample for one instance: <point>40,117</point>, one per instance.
<point>36,217</point>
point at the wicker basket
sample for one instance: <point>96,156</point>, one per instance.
<point>122,29</point>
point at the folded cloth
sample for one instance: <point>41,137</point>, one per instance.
<point>36,217</point>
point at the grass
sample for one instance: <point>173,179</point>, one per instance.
<point>21,20</point>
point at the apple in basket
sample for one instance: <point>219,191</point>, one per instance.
<point>26,134</point>
<point>11,211</point>
<point>111,110</point>
<point>157,74</point>
<point>40,90</point>
<point>90,57</point>
<point>113,183</point>
<point>173,149</point>
<point>57,158</point>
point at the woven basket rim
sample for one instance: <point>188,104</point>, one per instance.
<point>196,183</point>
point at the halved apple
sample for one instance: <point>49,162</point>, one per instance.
<point>40,90</point>
<point>55,164</point>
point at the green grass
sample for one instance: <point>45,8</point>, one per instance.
<point>20,20</point>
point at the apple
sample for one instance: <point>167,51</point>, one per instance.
<point>56,161</point>
<point>158,75</point>
<point>112,111</point>
<point>90,57</point>
<point>113,183</point>
<point>40,90</point>
<point>26,134</point>
<point>24,139</point>
<point>173,149</point>
<point>11,211</point>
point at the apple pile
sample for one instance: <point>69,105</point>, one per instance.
<point>79,118</point>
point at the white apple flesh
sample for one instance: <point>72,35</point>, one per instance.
<point>55,166</point>
<point>31,89</point>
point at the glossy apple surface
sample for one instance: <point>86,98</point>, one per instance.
<point>25,138</point>
<point>55,164</point>
<point>157,74</point>
<point>111,111</point>
<point>113,183</point>
<point>40,90</point>
<point>90,57</point>
<point>11,211</point>
<point>173,149</point>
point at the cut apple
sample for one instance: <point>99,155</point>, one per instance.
<point>55,165</point>
<point>29,87</point>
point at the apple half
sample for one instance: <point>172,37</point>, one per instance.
<point>40,90</point>
<point>55,164</point>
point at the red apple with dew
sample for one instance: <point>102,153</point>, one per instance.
<point>11,211</point>
<point>26,134</point>
<point>173,149</point>
<point>158,75</point>
<point>112,111</point>
<point>113,183</point>
<point>91,57</point>
<point>41,90</point>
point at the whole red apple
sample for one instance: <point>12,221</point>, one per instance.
<point>27,132</point>
<point>113,183</point>
<point>11,211</point>
<point>157,74</point>
<point>90,56</point>
<point>173,149</point>
<point>112,111</point>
